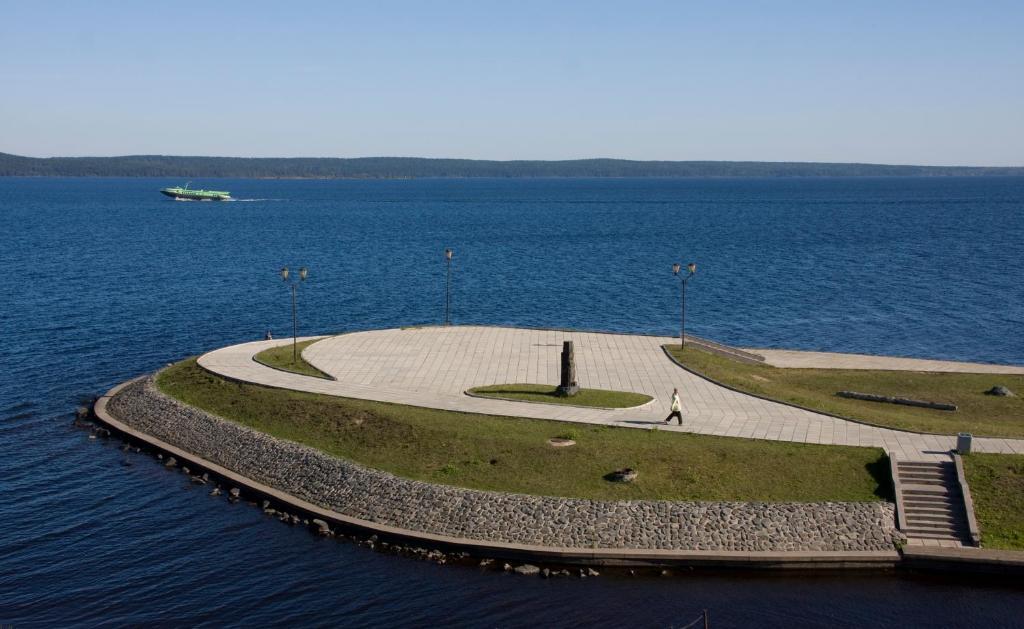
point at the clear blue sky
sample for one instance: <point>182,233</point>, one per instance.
<point>890,82</point>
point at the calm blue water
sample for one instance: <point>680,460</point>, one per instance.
<point>105,279</point>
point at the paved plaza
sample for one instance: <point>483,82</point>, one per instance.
<point>433,367</point>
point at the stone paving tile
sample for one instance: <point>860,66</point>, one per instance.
<point>433,366</point>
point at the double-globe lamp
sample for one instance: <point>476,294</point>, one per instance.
<point>303,274</point>
<point>691,268</point>
<point>448,253</point>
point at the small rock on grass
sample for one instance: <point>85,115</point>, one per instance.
<point>999,391</point>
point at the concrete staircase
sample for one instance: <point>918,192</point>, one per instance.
<point>930,502</point>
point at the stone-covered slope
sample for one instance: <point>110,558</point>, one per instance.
<point>377,496</point>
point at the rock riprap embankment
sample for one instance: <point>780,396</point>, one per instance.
<point>377,496</point>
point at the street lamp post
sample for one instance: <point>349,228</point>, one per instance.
<point>691,268</point>
<point>448,287</point>
<point>303,274</point>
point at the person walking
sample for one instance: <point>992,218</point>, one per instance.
<point>677,408</point>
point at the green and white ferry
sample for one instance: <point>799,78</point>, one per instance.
<point>185,194</point>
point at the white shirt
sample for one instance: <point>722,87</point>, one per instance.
<point>676,406</point>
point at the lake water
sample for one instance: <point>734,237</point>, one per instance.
<point>104,279</point>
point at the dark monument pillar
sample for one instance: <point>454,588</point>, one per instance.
<point>568,387</point>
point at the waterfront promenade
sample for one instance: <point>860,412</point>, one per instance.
<point>434,366</point>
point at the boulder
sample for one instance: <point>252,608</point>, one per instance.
<point>170,462</point>
<point>526,569</point>
<point>322,527</point>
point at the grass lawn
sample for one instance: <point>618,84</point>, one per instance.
<point>547,393</point>
<point>997,487</point>
<point>977,413</point>
<point>512,454</point>
<point>280,357</point>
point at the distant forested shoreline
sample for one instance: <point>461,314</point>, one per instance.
<point>416,167</point>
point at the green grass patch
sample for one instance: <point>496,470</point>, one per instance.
<point>980,414</point>
<point>512,454</point>
<point>548,394</point>
<point>281,357</point>
<point>997,487</point>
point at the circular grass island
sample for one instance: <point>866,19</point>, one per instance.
<point>548,394</point>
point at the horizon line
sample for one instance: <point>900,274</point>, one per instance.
<point>508,161</point>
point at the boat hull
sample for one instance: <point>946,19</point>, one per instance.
<point>186,196</point>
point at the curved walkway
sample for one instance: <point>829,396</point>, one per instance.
<point>433,366</point>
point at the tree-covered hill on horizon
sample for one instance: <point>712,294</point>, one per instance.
<point>413,167</point>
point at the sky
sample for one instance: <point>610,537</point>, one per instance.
<point>882,82</point>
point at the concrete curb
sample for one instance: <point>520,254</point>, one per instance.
<point>965,492</point>
<point>469,393</point>
<point>901,514</point>
<point>325,376</point>
<point>807,560</point>
<point>964,559</point>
